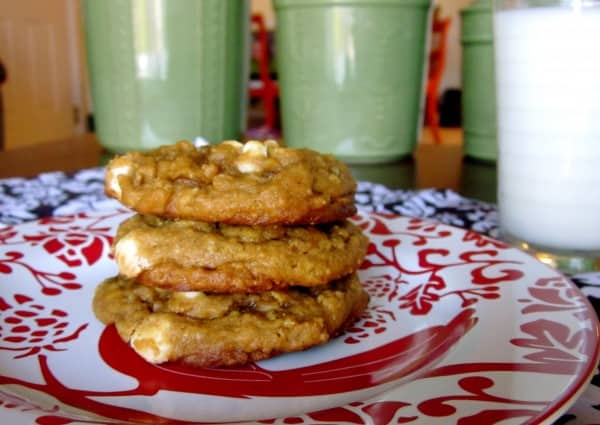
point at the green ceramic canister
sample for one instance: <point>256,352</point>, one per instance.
<point>162,71</point>
<point>351,75</point>
<point>478,81</point>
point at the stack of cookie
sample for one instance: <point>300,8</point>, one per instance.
<point>239,252</point>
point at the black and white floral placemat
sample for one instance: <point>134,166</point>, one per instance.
<point>57,193</point>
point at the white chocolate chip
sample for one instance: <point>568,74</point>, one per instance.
<point>127,257</point>
<point>113,184</point>
<point>200,142</point>
<point>247,167</point>
<point>188,294</point>
<point>238,145</point>
<point>250,161</point>
<point>255,149</point>
<point>152,345</point>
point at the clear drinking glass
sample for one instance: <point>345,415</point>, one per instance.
<point>547,59</point>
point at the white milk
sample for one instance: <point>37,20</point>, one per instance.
<point>548,91</point>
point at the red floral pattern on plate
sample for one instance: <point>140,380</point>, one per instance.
<point>71,243</point>
<point>28,328</point>
<point>437,323</point>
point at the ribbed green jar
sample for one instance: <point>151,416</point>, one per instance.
<point>162,71</point>
<point>478,81</point>
<point>351,75</point>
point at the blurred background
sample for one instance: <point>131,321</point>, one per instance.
<point>46,96</point>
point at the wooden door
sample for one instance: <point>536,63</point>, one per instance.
<point>40,45</point>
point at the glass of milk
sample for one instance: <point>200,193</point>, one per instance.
<point>547,58</point>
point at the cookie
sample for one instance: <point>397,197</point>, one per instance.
<point>188,255</point>
<point>213,330</point>
<point>235,183</point>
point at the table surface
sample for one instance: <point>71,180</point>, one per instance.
<point>431,166</point>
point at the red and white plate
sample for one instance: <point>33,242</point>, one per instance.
<point>460,328</point>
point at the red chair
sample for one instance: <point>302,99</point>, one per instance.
<point>437,63</point>
<point>266,89</point>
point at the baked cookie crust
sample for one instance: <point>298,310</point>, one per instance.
<point>253,183</point>
<point>188,255</point>
<point>214,330</point>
